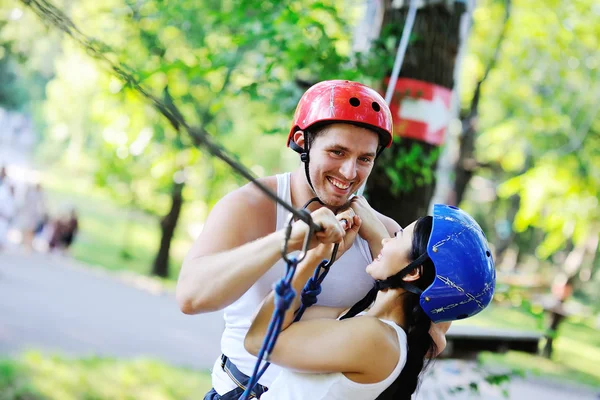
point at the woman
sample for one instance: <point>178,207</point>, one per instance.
<point>438,269</point>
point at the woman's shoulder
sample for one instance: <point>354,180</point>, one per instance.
<point>381,330</point>
<point>382,338</point>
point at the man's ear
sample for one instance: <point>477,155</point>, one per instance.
<point>298,138</point>
<point>413,275</point>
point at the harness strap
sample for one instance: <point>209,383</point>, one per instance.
<point>241,379</point>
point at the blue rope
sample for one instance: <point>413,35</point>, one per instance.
<point>284,296</point>
<point>312,288</point>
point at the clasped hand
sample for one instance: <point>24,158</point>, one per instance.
<point>336,229</point>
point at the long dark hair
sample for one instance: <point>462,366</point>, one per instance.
<point>417,322</point>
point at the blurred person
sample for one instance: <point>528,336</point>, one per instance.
<point>339,129</point>
<point>64,230</point>
<point>7,208</point>
<point>3,175</point>
<point>31,213</point>
<point>380,353</point>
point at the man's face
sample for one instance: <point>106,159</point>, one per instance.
<point>341,159</point>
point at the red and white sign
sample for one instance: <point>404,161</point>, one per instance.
<point>420,110</point>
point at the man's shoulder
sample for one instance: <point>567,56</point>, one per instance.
<point>250,208</point>
<point>250,195</point>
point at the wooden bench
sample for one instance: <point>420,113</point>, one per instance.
<point>465,342</point>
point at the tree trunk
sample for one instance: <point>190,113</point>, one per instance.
<point>167,227</point>
<point>467,164</point>
<point>400,191</point>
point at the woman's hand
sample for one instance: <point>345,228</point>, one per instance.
<point>352,224</point>
<point>372,229</point>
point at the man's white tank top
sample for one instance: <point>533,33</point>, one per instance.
<point>291,385</point>
<point>345,284</point>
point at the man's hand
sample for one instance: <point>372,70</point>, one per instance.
<point>332,230</point>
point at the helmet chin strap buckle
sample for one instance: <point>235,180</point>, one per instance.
<point>304,157</point>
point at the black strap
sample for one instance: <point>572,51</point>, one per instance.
<point>394,281</point>
<point>239,378</point>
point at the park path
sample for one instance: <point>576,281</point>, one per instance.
<point>51,303</point>
<point>55,305</point>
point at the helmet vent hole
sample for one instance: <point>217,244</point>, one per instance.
<point>354,102</point>
<point>453,207</point>
<point>487,253</point>
<point>376,106</point>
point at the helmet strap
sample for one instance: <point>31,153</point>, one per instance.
<point>397,281</point>
<point>304,157</point>
<point>394,281</point>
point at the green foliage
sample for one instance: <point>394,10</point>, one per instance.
<point>539,120</point>
<point>500,380</point>
<point>412,167</point>
<point>38,377</point>
<point>228,68</point>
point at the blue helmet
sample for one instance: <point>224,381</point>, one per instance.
<point>465,277</point>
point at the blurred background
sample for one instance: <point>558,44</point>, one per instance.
<point>101,196</point>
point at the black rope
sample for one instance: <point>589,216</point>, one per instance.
<point>51,14</point>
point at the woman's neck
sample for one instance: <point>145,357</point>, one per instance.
<point>389,305</point>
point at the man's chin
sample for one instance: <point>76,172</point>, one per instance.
<point>336,201</point>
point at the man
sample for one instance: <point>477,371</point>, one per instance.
<point>339,129</point>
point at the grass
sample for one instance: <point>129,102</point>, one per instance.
<point>576,350</point>
<point>112,237</point>
<point>37,377</point>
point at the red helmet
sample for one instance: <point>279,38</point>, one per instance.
<point>344,101</point>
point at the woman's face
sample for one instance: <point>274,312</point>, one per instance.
<point>394,256</point>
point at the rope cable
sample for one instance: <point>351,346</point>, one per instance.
<point>49,13</point>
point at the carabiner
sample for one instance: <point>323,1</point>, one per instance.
<point>288,233</point>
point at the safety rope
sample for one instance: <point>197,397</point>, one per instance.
<point>284,293</point>
<point>97,49</point>
<point>284,296</point>
<point>401,52</point>
<point>408,26</point>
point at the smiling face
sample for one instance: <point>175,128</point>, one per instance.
<point>394,256</point>
<point>341,159</point>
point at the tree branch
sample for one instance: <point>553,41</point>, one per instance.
<point>493,61</point>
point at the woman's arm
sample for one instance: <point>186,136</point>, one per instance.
<point>362,345</point>
<point>375,226</point>
<point>258,329</point>
<point>321,343</point>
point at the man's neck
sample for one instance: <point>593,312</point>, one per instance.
<point>300,190</point>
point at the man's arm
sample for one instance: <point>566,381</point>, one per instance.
<point>236,247</point>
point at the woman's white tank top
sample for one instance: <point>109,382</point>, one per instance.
<point>291,385</point>
<point>345,284</point>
